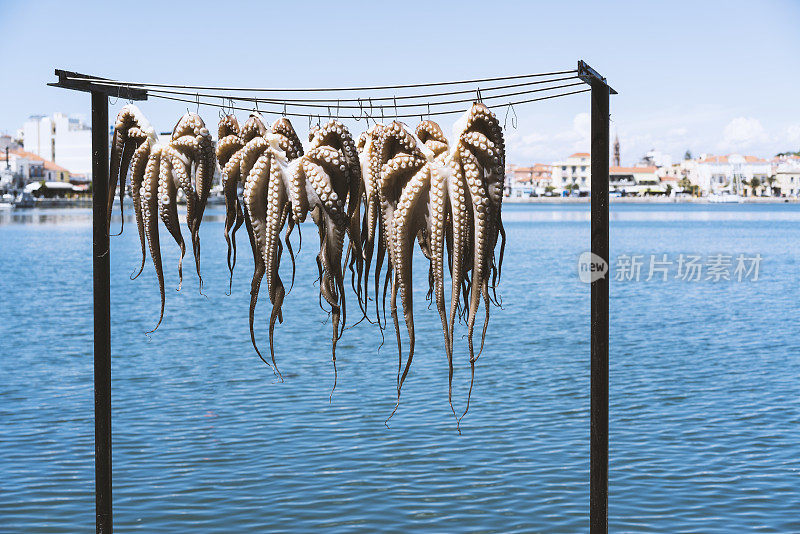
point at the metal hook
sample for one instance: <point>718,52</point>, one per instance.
<point>360,111</point>
<point>337,109</point>
<point>198,104</point>
<point>284,110</point>
<point>513,119</point>
<point>429,111</point>
<point>395,107</point>
<point>480,99</point>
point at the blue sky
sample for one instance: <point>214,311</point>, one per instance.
<point>708,76</point>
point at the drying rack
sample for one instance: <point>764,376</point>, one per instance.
<point>359,103</point>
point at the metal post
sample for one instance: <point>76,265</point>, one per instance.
<point>102,280</point>
<point>598,462</point>
<point>102,315</point>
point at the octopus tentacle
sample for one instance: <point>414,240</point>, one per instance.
<point>409,220</point>
<point>115,159</point>
<point>151,206</point>
<point>437,222</point>
<point>131,131</point>
<point>403,161</point>
<point>275,217</point>
<point>168,205</point>
<point>191,148</point>
<point>138,167</point>
<point>255,198</point>
<point>229,156</point>
<point>125,162</point>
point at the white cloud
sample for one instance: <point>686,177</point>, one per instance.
<point>582,125</point>
<point>530,147</point>
<point>793,136</point>
<point>742,133</point>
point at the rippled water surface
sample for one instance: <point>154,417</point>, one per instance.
<point>705,415</point>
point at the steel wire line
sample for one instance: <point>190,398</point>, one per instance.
<point>330,116</point>
<point>363,102</point>
<point>120,83</point>
<point>364,105</point>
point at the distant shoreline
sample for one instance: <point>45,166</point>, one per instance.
<point>644,200</point>
<point>86,202</point>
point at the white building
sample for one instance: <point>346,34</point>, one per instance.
<point>527,181</point>
<point>573,173</point>
<point>29,167</point>
<point>67,141</point>
<point>787,176</point>
<point>635,180</point>
<point>715,174</point>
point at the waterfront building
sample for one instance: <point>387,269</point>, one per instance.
<point>731,173</point>
<point>635,180</point>
<point>28,167</point>
<point>572,173</point>
<point>64,141</point>
<point>527,181</point>
<point>787,176</point>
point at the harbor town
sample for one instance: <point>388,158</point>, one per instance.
<point>48,163</point>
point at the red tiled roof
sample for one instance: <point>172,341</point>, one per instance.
<point>580,155</point>
<point>724,159</point>
<point>620,170</point>
<point>49,165</point>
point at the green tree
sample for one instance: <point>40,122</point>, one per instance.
<point>688,154</point>
<point>755,183</point>
<point>771,181</point>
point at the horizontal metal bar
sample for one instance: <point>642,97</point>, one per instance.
<point>587,74</point>
<point>66,80</point>
<point>327,89</point>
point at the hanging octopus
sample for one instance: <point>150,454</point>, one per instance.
<point>478,161</point>
<point>132,142</point>
<point>188,164</point>
<point>326,182</point>
<point>443,197</point>
<point>258,159</point>
<point>157,172</point>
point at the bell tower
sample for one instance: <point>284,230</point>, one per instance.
<point>616,150</point>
